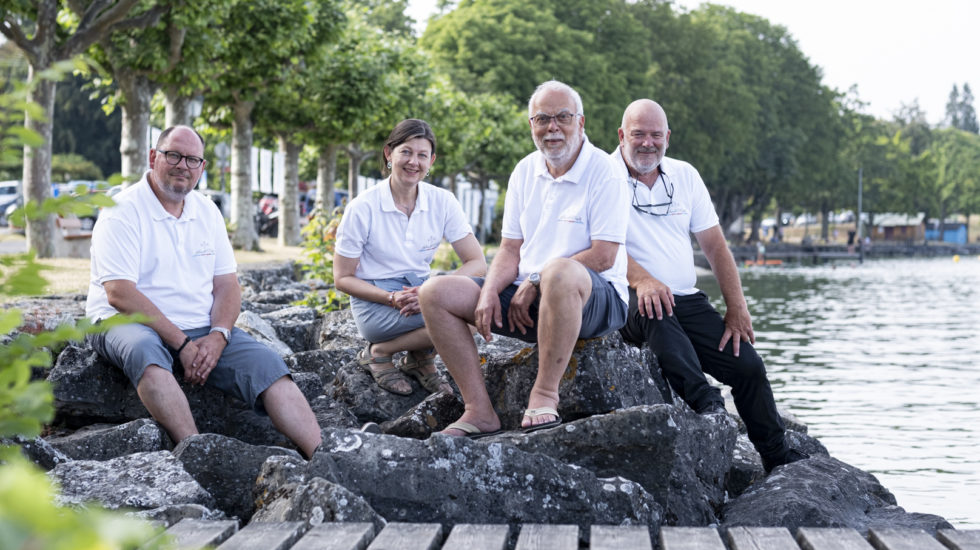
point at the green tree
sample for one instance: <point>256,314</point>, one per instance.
<point>263,41</point>
<point>955,156</point>
<point>29,515</point>
<point>959,110</point>
<point>49,31</point>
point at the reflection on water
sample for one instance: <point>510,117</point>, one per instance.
<point>882,361</point>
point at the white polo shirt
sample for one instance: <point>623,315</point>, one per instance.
<point>390,244</point>
<point>173,261</point>
<point>662,244</point>
<point>559,217</point>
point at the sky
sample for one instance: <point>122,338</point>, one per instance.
<point>895,51</point>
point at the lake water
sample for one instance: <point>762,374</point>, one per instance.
<point>882,361</point>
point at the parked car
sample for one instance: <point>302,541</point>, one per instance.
<point>9,193</point>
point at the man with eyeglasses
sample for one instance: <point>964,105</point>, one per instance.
<point>559,274</point>
<point>163,252</point>
<point>666,310</point>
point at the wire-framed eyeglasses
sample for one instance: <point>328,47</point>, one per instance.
<point>563,119</point>
<point>658,209</point>
<point>173,159</point>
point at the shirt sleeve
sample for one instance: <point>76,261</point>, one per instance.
<point>703,215</point>
<point>224,261</point>
<point>609,205</point>
<point>510,227</point>
<point>115,250</point>
<point>456,226</point>
<point>354,229</point>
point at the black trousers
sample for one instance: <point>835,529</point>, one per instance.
<point>686,345</point>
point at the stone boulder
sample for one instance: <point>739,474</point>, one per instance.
<point>456,480</point>
<point>142,481</point>
<point>262,331</point>
<point>296,326</point>
<point>172,514</point>
<point>822,492</point>
<point>316,501</point>
<point>338,332</point>
<point>432,414</point>
<point>38,451</point>
<point>104,442</point>
<point>227,468</point>
<point>603,374</point>
<point>331,414</point>
<point>747,464</point>
<point>679,457</point>
<point>354,388</point>
<point>324,363</point>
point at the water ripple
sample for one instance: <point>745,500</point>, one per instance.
<point>881,361</point>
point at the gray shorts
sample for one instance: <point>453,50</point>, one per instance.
<point>604,312</point>
<point>381,322</point>
<point>246,367</point>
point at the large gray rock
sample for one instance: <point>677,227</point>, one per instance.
<point>38,451</point>
<point>262,331</point>
<point>324,363</point>
<point>822,492</point>
<point>103,442</point>
<point>333,415</point>
<point>317,501</point>
<point>747,464</point>
<point>172,514</point>
<point>356,389</point>
<point>456,480</point>
<point>432,414</point>
<point>296,326</point>
<point>679,457</point>
<point>338,332</point>
<point>141,481</point>
<point>87,389</point>
<point>226,468</point>
<point>603,374</point>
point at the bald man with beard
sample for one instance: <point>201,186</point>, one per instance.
<point>689,337</point>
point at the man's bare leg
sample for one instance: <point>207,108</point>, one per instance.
<point>291,414</point>
<point>448,304</point>
<point>565,288</point>
<point>166,402</point>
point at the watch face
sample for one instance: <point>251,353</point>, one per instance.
<point>535,279</point>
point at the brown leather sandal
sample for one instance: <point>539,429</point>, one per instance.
<point>412,364</point>
<point>385,378</point>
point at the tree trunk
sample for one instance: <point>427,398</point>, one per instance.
<point>137,91</point>
<point>452,183</point>
<point>289,198</point>
<point>245,236</point>
<point>357,158</point>
<point>824,221</point>
<point>37,164</point>
<point>178,108</point>
<point>326,175</point>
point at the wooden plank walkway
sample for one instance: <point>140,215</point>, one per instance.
<point>223,535</point>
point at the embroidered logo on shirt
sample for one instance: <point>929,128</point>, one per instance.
<point>431,244</point>
<point>204,249</point>
<point>571,218</point>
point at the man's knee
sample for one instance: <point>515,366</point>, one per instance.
<point>564,275</point>
<point>153,375</point>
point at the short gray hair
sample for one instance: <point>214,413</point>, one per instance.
<point>556,86</point>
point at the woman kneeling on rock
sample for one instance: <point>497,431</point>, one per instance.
<point>385,244</point>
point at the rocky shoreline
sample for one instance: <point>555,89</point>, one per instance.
<point>629,453</point>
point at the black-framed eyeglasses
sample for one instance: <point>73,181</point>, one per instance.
<point>563,119</point>
<point>653,209</point>
<point>173,159</point>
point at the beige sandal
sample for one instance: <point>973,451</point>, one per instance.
<point>433,382</point>
<point>385,378</point>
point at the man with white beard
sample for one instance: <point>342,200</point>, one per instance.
<point>559,274</point>
<point>666,310</point>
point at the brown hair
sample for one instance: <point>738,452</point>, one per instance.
<point>408,129</point>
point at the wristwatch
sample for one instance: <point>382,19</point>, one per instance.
<point>535,279</point>
<point>223,331</point>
